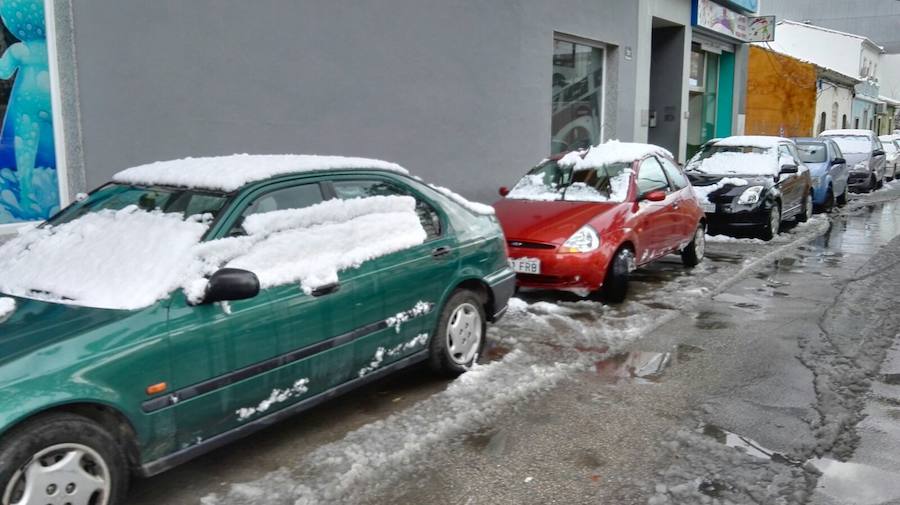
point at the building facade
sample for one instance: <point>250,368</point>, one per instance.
<point>781,94</point>
<point>465,94</point>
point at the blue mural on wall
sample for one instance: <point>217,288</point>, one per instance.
<point>29,188</point>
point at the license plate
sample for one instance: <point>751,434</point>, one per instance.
<point>709,208</point>
<point>525,265</point>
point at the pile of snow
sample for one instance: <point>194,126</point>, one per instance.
<point>125,259</point>
<point>703,192</point>
<point>7,307</point>
<point>478,208</point>
<point>734,163</point>
<point>228,173</point>
<point>758,141</point>
<point>310,246</point>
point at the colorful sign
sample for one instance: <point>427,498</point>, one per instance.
<point>29,187</point>
<point>760,29</point>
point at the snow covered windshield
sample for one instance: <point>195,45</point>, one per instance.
<point>551,181</point>
<point>812,152</point>
<point>735,160</point>
<point>184,202</point>
<point>853,144</point>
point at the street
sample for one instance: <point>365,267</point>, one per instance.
<point>768,374</point>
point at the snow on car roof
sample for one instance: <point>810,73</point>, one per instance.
<point>610,152</point>
<point>853,132</point>
<point>760,141</point>
<point>228,173</point>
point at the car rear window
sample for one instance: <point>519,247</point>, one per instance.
<point>853,144</point>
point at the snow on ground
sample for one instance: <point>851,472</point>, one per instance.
<point>370,459</point>
<point>228,173</point>
<point>125,259</point>
<point>7,307</point>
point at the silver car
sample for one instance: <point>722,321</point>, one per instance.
<point>865,156</point>
<point>892,154</point>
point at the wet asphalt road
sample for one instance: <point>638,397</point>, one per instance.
<point>769,374</point>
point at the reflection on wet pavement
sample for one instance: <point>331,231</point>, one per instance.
<point>746,445</point>
<point>857,484</point>
<point>639,367</point>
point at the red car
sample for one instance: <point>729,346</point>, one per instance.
<point>583,221</point>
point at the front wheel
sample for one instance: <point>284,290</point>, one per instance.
<point>807,209</point>
<point>62,458</point>
<point>692,255</point>
<point>615,286</point>
<point>460,335</point>
<point>771,229</point>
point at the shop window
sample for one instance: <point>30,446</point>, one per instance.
<point>28,179</point>
<point>577,95</point>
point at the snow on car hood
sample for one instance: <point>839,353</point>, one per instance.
<point>125,259</point>
<point>732,163</point>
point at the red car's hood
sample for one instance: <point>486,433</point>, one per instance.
<point>548,222</point>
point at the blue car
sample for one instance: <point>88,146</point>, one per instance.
<point>828,170</point>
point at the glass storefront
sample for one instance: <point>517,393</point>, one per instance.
<point>704,91</point>
<point>577,96</point>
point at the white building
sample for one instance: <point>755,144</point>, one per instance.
<point>846,54</point>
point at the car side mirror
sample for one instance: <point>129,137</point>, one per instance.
<point>229,284</point>
<point>839,161</point>
<point>654,196</point>
<point>503,191</point>
<point>878,152</point>
<point>789,169</point>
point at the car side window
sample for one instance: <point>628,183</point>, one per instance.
<point>428,216</point>
<point>293,197</point>
<point>836,149</point>
<point>679,181</point>
<point>651,177</point>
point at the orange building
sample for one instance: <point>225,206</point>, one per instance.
<point>781,95</point>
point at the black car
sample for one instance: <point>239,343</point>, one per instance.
<point>751,183</point>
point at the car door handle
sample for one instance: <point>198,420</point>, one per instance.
<point>440,252</point>
<point>326,289</point>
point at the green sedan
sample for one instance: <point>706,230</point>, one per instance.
<point>192,302</point>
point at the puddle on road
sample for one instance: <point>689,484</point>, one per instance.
<point>891,379</point>
<point>746,445</point>
<point>856,483</point>
<point>686,352</point>
<point>638,367</point>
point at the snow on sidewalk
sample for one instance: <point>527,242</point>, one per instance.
<point>372,458</point>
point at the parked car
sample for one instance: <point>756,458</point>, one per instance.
<point>828,170</point>
<point>584,220</point>
<point>892,156</point>
<point>193,302</point>
<point>865,157</point>
<point>751,183</point>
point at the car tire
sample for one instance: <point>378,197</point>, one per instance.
<point>807,211</point>
<point>693,254</point>
<point>460,335</point>
<point>880,184</point>
<point>873,184</point>
<point>74,444</point>
<point>771,229</point>
<point>615,285</point>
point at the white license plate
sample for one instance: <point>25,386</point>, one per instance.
<point>525,265</point>
<point>709,208</point>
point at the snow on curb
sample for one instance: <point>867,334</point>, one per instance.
<point>372,458</point>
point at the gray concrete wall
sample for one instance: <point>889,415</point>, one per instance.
<point>456,90</point>
<point>667,88</point>
<point>877,19</point>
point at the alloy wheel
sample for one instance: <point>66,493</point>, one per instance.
<point>700,242</point>
<point>64,474</point>
<point>464,334</point>
<point>775,220</point>
<point>809,206</point>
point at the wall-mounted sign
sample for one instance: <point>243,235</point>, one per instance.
<point>761,29</point>
<point>720,19</point>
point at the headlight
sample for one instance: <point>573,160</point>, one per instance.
<point>750,195</point>
<point>862,166</point>
<point>584,240</point>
